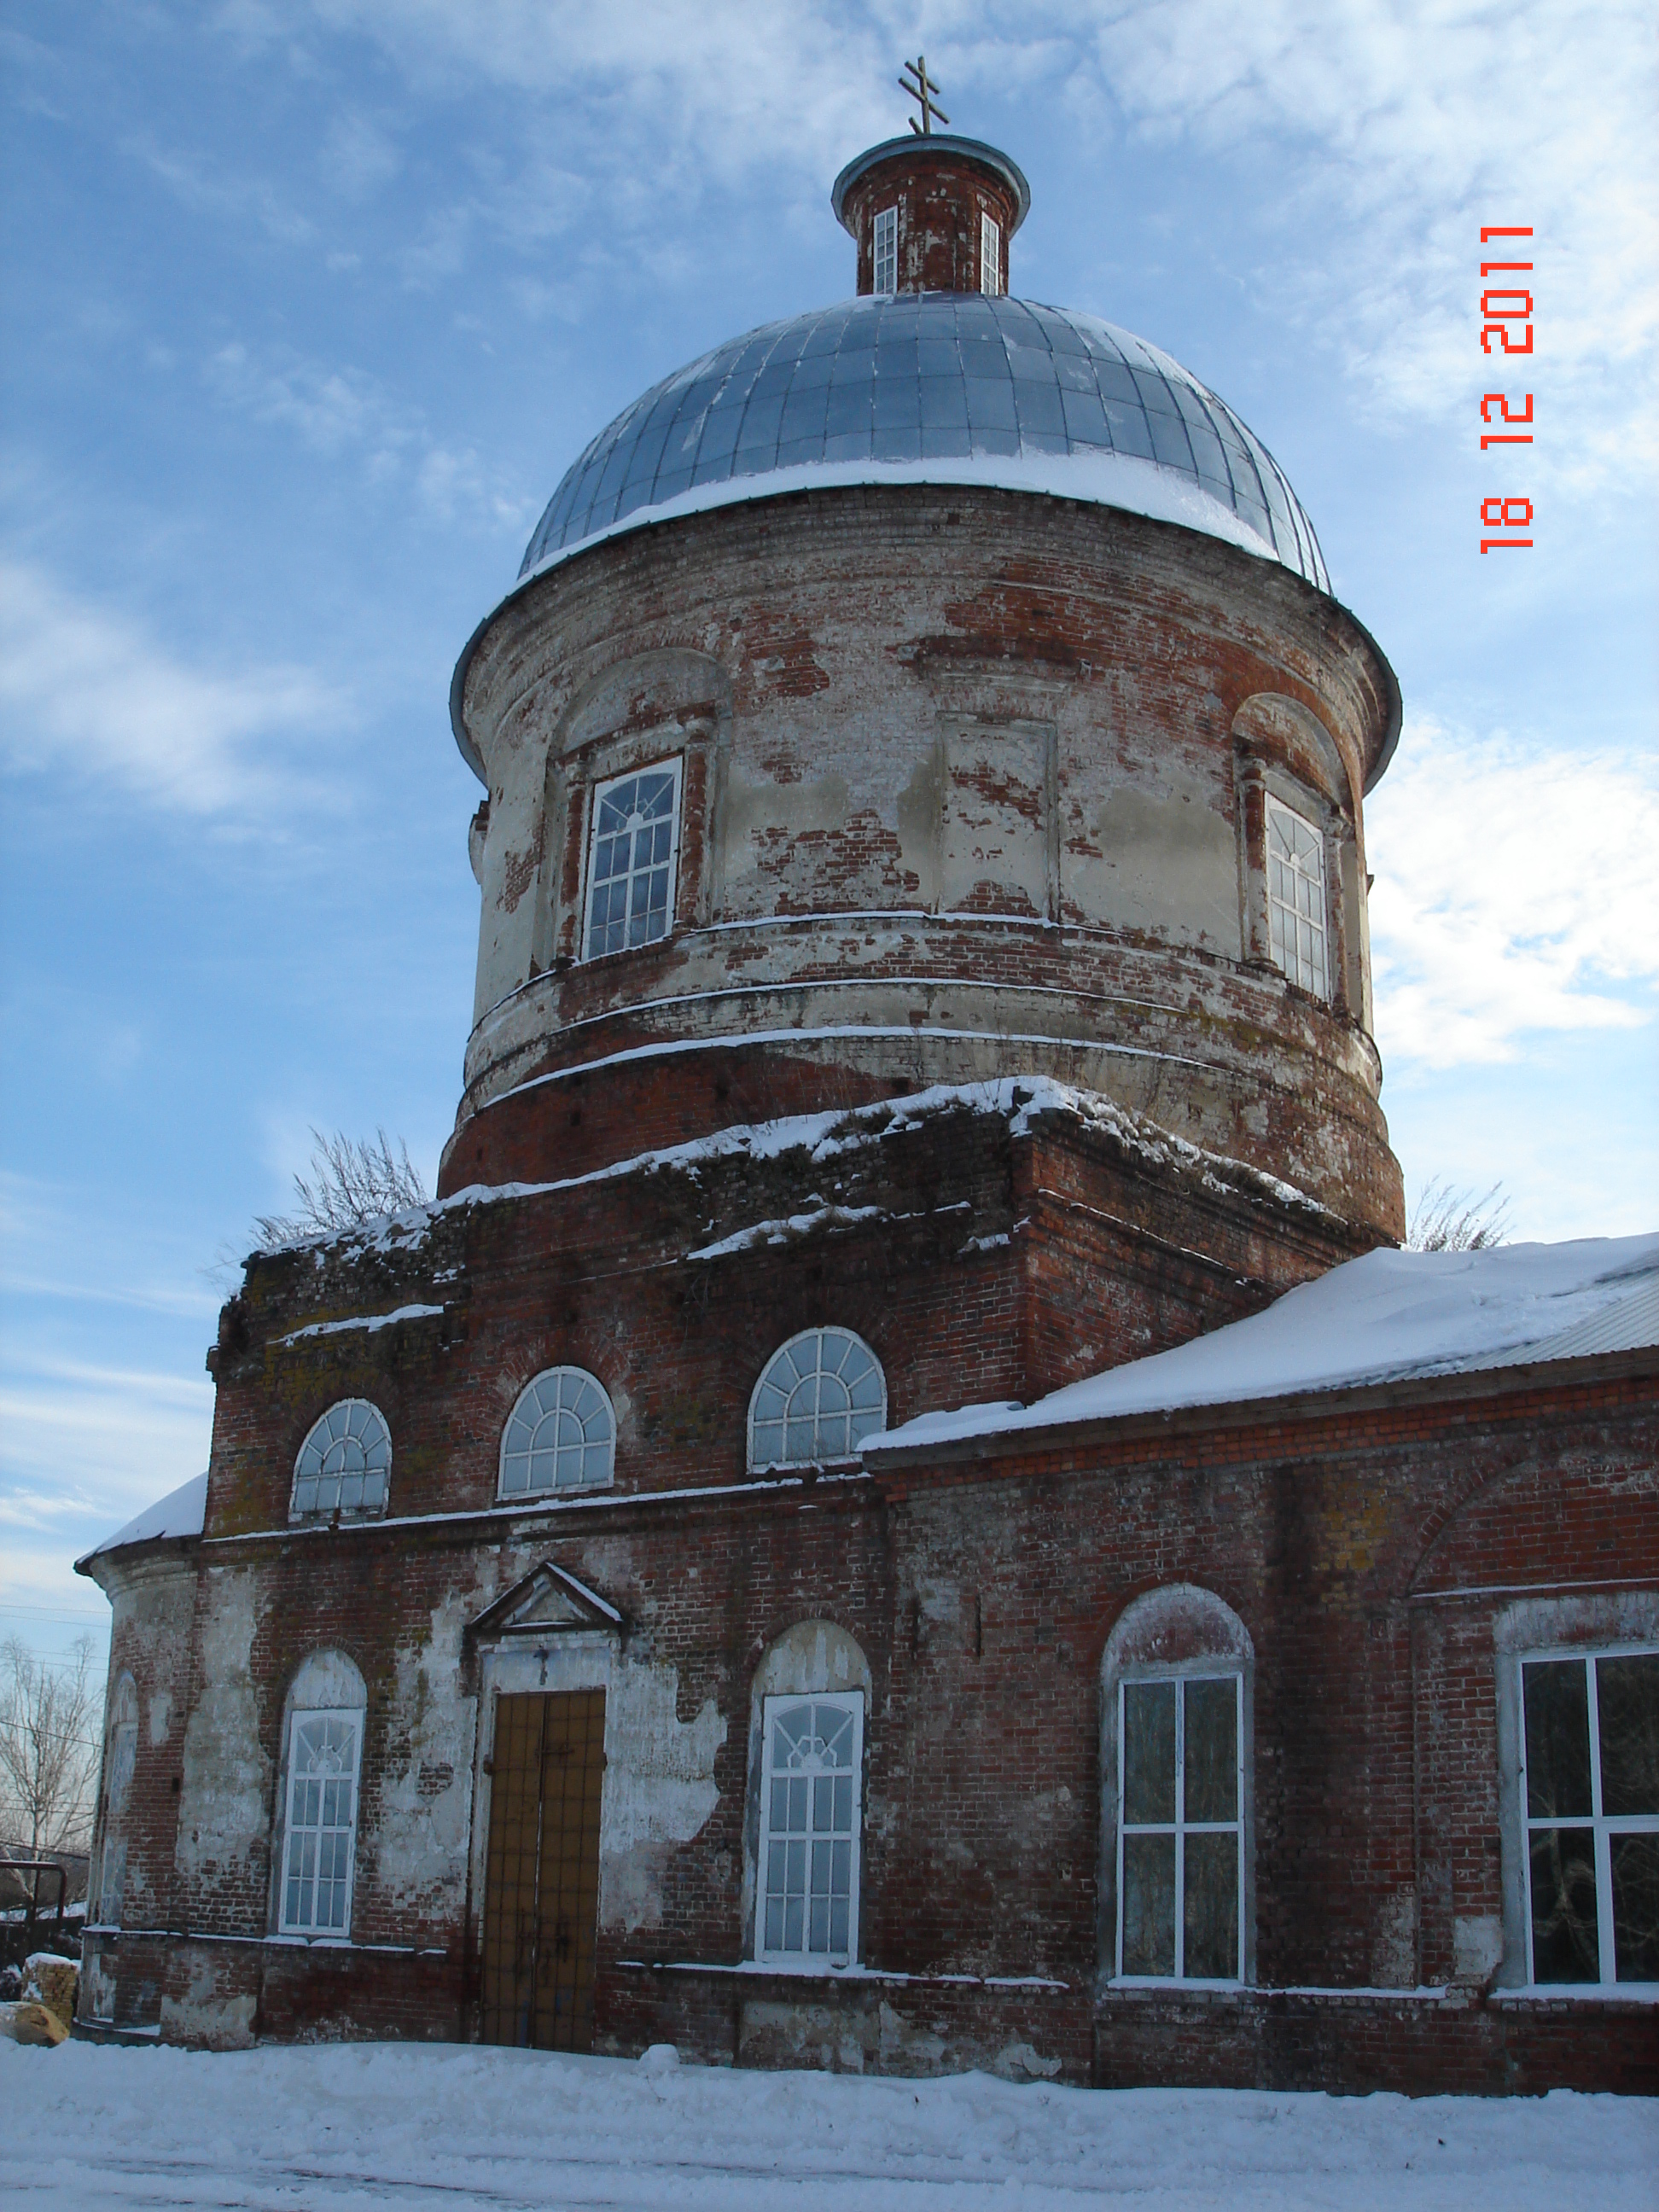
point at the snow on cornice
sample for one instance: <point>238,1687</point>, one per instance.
<point>1018,1099</point>
<point>1389,1317</point>
<point>180,1514</point>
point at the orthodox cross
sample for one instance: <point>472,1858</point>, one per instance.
<point>923,90</point>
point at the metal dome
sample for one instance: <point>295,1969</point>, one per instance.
<point>937,388</point>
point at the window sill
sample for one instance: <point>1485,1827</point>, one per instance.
<point>816,1971</point>
<point>281,1941</point>
<point>506,1500</point>
<point>1169,1983</point>
<point>808,1467</point>
<point>338,1518</point>
<point>1153,1986</point>
<point>1581,1993</point>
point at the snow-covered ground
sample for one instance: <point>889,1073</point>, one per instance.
<point>395,2126</point>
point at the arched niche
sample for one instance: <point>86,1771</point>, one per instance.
<point>652,707</point>
<point>1283,752</point>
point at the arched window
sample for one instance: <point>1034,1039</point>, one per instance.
<point>1298,917</point>
<point>810,1827</point>
<point>818,1399</point>
<point>323,1749</point>
<point>344,1464</point>
<point>561,1435</point>
<point>804,1835</point>
<point>630,870</point>
<point>1176,1724</point>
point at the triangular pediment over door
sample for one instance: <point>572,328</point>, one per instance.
<point>550,1600</point>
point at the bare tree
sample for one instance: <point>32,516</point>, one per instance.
<point>351,1181</point>
<point>1444,1219</point>
<point>50,1729</point>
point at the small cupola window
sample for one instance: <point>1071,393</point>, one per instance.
<point>885,251</point>
<point>990,255</point>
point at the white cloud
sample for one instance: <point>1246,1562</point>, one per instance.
<point>1412,123</point>
<point>358,155</point>
<point>723,86</point>
<point>328,409</point>
<point>1420,122</point>
<point>60,1246</point>
<point>85,1450</point>
<point>85,690</point>
<point>195,187</point>
<point>1517,893</point>
<point>337,410</point>
<point>81,1439</point>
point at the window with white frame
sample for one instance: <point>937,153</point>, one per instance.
<point>808,1904</point>
<point>990,254</point>
<point>886,251</point>
<point>819,1397</point>
<point>344,1464</point>
<point>1297,913</point>
<point>320,1832</point>
<point>1590,1788</point>
<point>1181,1837</point>
<point>561,1435</point>
<point>633,843</point>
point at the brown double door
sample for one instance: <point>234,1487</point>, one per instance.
<point>542,1882</point>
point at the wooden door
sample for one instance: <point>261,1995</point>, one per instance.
<point>542,1880</point>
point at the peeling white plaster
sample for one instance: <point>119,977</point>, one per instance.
<point>424,1807</point>
<point>659,1789</point>
<point>226,1780</point>
<point>1394,1947</point>
<point>202,2015</point>
<point>1477,1945</point>
<point>1015,2059</point>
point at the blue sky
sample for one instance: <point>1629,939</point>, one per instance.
<point>309,305</point>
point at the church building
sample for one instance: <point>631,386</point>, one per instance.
<point>901,1510</point>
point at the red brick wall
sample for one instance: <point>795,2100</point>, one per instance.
<point>940,198</point>
<point>981,1589</point>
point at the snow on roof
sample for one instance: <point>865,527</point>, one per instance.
<point>825,1134</point>
<point>180,1513</point>
<point>1384,1318</point>
<point>948,388</point>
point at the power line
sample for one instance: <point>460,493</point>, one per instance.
<point>53,1612</point>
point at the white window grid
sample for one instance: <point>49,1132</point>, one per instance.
<point>320,1840</point>
<point>1606,1830</point>
<point>344,1464</point>
<point>887,251</point>
<point>1297,912</point>
<point>633,848</point>
<point>819,1397</point>
<point>807,1909</point>
<point>1180,1827</point>
<point>990,254</point>
<point>561,1435</point>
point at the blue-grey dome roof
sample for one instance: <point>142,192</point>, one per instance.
<point>935,387</point>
